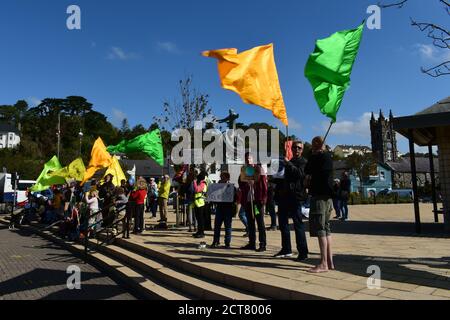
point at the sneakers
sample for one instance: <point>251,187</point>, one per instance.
<point>215,245</point>
<point>272,228</point>
<point>283,254</point>
<point>249,247</point>
<point>261,249</point>
<point>199,236</point>
<point>301,258</point>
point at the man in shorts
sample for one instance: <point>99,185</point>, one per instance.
<point>319,180</point>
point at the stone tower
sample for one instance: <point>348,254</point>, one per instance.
<point>384,140</point>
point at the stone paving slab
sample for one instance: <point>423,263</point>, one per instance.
<point>32,268</point>
<point>412,266</point>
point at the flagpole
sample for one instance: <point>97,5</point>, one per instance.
<point>326,135</point>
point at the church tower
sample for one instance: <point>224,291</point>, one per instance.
<point>384,139</point>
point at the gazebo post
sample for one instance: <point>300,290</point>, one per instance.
<point>433,183</point>
<point>412,155</point>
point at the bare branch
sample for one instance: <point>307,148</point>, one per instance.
<point>439,70</point>
<point>447,4</point>
<point>398,4</point>
<point>439,35</point>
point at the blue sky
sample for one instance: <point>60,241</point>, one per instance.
<point>129,56</point>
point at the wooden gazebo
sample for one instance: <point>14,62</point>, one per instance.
<point>429,128</point>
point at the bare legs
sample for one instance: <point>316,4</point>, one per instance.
<point>326,256</point>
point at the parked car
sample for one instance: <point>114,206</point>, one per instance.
<point>401,193</point>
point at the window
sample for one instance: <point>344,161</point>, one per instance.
<point>382,176</point>
<point>11,136</point>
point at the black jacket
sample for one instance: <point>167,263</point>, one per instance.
<point>294,176</point>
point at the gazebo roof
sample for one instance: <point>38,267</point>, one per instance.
<point>422,126</point>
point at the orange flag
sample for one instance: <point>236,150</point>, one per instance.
<point>253,76</point>
<point>100,158</point>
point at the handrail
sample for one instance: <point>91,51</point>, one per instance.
<point>96,232</point>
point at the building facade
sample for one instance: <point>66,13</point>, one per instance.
<point>343,151</point>
<point>384,138</point>
<point>9,136</point>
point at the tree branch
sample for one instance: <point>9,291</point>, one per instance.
<point>439,35</point>
<point>439,70</point>
<point>398,4</point>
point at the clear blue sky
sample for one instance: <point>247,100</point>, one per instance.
<point>130,55</point>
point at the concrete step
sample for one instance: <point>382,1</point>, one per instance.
<point>138,282</point>
<point>258,287</point>
<point>189,284</point>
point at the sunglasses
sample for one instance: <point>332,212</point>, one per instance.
<point>297,148</point>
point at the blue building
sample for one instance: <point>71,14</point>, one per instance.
<point>379,179</point>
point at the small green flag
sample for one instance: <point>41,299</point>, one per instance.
<point>45,180</point>
<point>149,143</point>
<point>330,66</point>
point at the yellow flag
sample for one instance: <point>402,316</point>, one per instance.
<point>75,170</point>
<point>116,170</point>
<point>100,158</point>
<point>253,75</point>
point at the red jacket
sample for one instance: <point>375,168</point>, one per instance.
<point>259,188</point>
<point>138,196</point>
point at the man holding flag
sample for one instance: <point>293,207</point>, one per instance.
<point>328,70</point>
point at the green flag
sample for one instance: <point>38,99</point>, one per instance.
<point>149,143</point>
<point>330,66</point>
<point>45,180</point>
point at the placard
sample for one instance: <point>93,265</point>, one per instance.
<point>221,192</point>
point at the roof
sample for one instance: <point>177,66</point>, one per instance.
<point>6,127</point>
<point>422,165</point>
<point>147,168</point>
<point>439,107</point>
<point>422,126</point>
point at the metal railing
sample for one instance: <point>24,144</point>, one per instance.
<point>94,232</point>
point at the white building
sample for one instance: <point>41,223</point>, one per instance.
<point>9,136</point>
<point>345,150</point>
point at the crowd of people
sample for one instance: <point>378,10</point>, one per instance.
<point>83,211</point>
<point>306,183</point>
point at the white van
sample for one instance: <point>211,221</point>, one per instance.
<point>22,190</point>
<point>7,189</point>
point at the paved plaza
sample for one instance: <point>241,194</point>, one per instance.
<point>412,266</point>
<point>32,268</point>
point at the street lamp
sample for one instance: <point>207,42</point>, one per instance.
<point>59,133</point>
<point>80,135</point>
